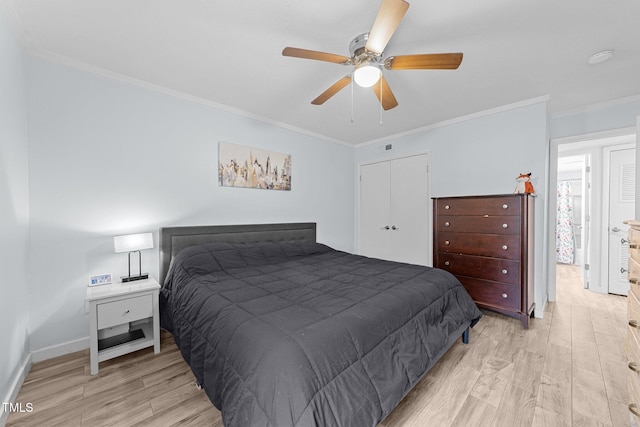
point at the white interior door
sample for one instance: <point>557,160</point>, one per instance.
<point>375,222</point>
<point>409,210</point>
<point>622,181</point>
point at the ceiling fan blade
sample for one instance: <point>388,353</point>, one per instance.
<point>389,16</point>
<point>427,61</point>
<point>384,94</point>
<point>314,54</point>
<point>335,88</point>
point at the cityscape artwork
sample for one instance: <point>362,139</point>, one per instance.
<point>241,166</point>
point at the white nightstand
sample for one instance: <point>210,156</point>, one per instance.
<point>123,317</point>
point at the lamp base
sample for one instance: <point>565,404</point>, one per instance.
<point>134,278</point>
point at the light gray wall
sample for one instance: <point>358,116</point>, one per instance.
<point>109,158</point>
<point>14,210</point>
<point>484,155</point>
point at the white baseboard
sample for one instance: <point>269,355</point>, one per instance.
<point>59,350</point>
<point>15,387</point>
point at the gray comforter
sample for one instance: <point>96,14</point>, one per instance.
<point>299,334</point>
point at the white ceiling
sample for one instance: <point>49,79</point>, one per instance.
<point>229,54</point>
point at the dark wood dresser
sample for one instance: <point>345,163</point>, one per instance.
<point>487,243</point>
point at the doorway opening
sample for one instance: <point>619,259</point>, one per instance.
<point>592,194</point>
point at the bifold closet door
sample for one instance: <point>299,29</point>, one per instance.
<point>375,188</point>
<point>409,210</point>
<point>394,210</point>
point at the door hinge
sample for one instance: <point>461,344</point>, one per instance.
<point>586,266</point>
<point>587,169</point>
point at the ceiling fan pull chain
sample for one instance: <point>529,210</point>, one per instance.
<point>380,100</point>
<point>352,119</point>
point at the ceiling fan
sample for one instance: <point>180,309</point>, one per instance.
<point>366,57</point>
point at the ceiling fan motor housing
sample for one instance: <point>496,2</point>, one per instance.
<point>358,52</point>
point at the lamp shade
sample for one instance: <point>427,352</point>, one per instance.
<point>133,242</point>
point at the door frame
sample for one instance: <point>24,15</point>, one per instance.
<point>385,158</point>
<point>587,139</point>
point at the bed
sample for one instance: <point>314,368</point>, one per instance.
<point>280,330</point>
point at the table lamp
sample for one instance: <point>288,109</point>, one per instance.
<point>134,243</point>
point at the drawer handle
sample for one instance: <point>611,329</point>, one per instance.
<point>633,408</point>
<point>446,224</point>
<point>505,247</point>
<point>504,295</point>
<point>505,225</point>
<point>505,206</point>
<point>633,323</point>
<point>446,242</point>
<point>447,263</point>
<point>634,366</point>
<point>633,246</point>
<point>504,271</point>
<point>633,281</point>
<point>447,207</point>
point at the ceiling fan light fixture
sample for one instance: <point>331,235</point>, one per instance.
<point>366,75</point>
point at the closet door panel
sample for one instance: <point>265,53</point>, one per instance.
<point>375,224</point>
<point>409,210</point>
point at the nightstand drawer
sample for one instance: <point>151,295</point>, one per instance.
<point>125,310</point>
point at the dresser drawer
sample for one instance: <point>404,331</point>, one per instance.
<point>479,206</point>
<point>480,224</point>
<point>633,314</point>
<point>632,349</point>
<point>492,293</point>
<point>125,310</point>
<point>634,235</point>
<point>494,269</point>
<point>490,245</point>
<point>634,270</point>
<point>634,395</point>
<point>634,252</point>
<point>634,281</point>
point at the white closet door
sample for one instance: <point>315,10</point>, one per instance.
<point>374,210</point>
<point>394,207</point>
<point>622,186</point>
<point>409,210</point>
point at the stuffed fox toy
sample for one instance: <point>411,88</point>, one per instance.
<point>524,186</point>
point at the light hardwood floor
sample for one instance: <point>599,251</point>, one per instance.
<point>568,369</point>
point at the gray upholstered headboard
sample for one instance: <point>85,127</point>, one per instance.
<point>174,239</point>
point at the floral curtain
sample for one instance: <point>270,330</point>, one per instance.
<point>565,243</point>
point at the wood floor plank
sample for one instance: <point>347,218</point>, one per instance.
<point>474,412</point>
<point>553,403</point>
<point>589,397</point>
<point>568,369</point>
<point>516,408</point>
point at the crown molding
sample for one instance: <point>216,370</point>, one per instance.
<point>460,119</point>
<point>598,106</point>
